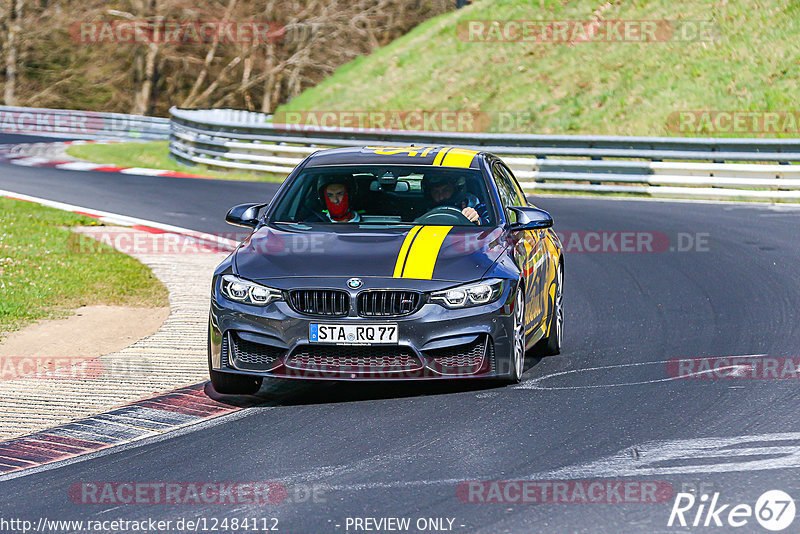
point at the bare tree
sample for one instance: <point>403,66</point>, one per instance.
<point>212,52</point>
<point>142,104</point>
<point>13,34</point>
<point>311,39</point>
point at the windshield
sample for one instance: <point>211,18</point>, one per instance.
<point>373,194</point>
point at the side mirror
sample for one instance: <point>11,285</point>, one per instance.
<point>531,218</point>
<point>244,215</point>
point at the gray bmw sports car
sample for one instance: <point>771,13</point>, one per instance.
<point>387,263</point>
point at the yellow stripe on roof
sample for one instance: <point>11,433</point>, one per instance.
<point>458,157</point>
<point>438,159</point>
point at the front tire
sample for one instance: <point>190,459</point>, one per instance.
<point>517,357</point>
<point>231,384</point>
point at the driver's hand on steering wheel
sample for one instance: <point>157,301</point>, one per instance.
<point>471,214</point>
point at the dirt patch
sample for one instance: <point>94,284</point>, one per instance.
<point>92,331</point>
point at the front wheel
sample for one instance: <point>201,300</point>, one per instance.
<point>517,359</point>
<point>228,383</point>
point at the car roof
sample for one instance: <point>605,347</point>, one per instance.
<point>398,155</point>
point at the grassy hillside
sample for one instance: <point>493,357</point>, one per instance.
<point>624,88</point>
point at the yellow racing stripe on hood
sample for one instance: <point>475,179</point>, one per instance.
<point>401,257</point>
<point>424,251</point>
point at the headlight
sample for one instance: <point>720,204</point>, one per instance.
<point>246,292</point>
<point>475,294</point>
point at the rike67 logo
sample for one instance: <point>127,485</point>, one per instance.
<point>774,510</point>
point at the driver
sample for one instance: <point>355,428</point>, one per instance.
<point>444,191</point>
<point>336,196</point>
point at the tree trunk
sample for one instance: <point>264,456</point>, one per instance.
<point>212,52</point>
<point>205,95</point>
<point>246,71</point>
<point>269,83</point>
<point>143,102</point>
<point>12,51</point>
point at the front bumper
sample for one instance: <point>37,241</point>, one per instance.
<point>433,343</point>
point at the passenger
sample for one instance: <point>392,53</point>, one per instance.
<point>336,196</point>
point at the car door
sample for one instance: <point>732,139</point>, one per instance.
<point>528,250</point>
<point>543,260</point>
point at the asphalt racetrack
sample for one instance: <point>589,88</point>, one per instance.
<point>610,408</point>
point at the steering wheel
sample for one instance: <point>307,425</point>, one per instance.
<point>443,215</point>
<point>315,216</point>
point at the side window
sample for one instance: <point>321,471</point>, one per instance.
<point>507,191</point>
<point>521,200</point>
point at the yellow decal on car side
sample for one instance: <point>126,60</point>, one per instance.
<point>552,306</point>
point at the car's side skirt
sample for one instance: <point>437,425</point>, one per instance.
<point>534,337</point>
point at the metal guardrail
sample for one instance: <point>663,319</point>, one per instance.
<point>64,123</point>
<point>657,166</point>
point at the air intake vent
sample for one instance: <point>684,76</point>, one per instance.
<point>388,303</point>
<point>320,302</point>
<point>254,356</point>
<point>224,351</point>
<point>354,359</point>
<point>463,359</point>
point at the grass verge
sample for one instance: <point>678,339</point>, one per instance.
<point>155,155</point>
<point>41,277</point>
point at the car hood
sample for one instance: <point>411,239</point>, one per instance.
<point>440,253</point>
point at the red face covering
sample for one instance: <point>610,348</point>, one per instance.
<point>339,211</point>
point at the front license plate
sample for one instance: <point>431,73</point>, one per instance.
<point>363,334</point>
